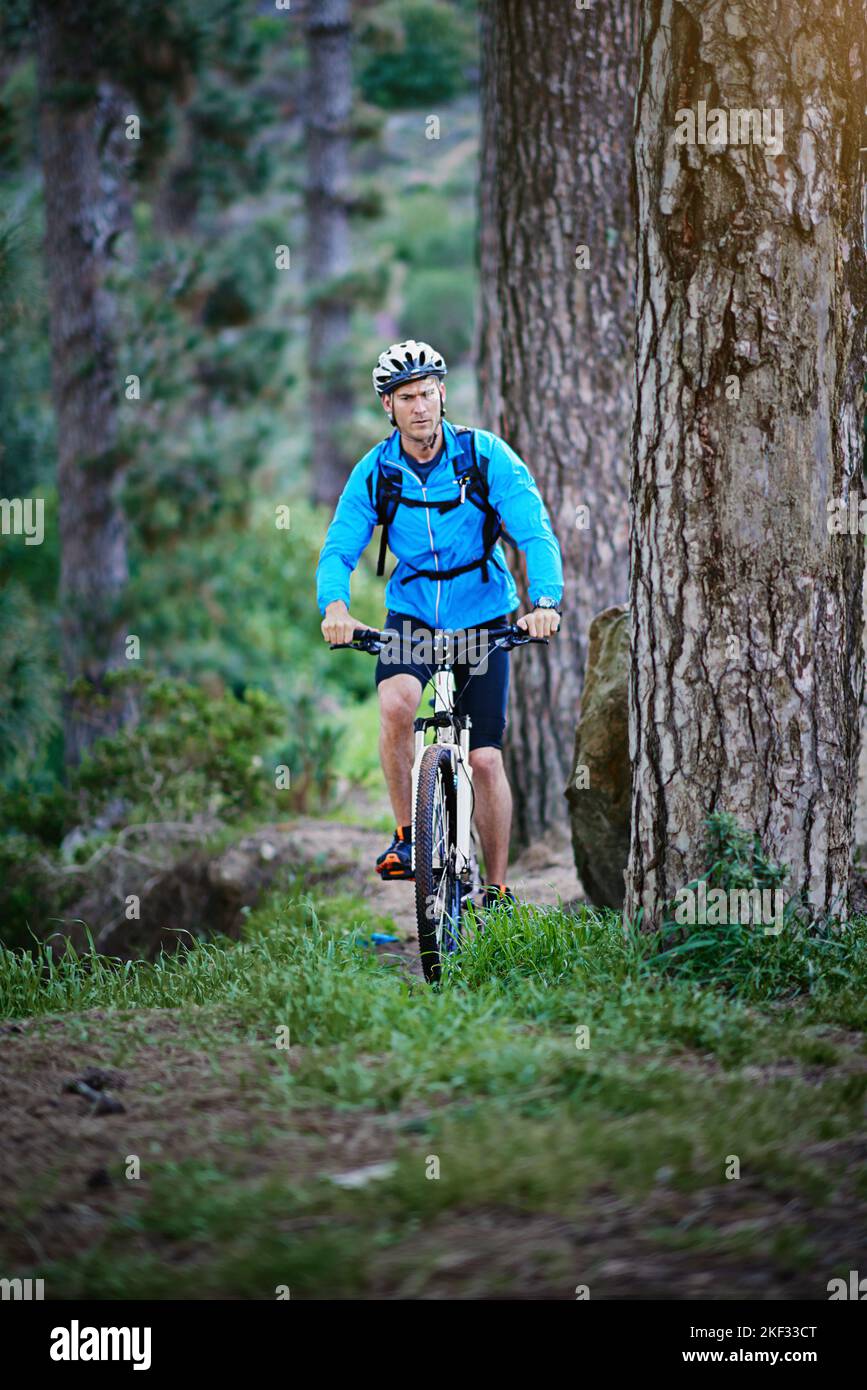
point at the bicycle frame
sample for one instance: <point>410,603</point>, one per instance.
<point>443,722</point>
<point>451,733</point>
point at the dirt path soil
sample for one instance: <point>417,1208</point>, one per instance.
<point>344,855</point>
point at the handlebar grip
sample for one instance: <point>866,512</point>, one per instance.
<point>359,634</point>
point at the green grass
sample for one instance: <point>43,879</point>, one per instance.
<point>483,1073</point>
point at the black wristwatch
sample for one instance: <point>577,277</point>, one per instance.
<point>548,603</point>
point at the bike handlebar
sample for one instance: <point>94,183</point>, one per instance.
<point>369,640</point>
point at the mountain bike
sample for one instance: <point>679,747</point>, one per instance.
<point>444,858</point>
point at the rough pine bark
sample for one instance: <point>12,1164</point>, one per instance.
<point>328,109</point>
<point>556,340</point>
<point>746,643</point>
<point>488,322</point>
<point>859,830</point>
<point>82,198</point>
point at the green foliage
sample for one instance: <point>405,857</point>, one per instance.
<point>364,286</point>
<point>244,613</point>
<point>735,856</point>
<point>169,57</point>
<point>37,568</point>
<point>17,101</point>
<point>210,352</point>
<point>225,156</point>
<point>189,752</point>
<point>240,277</point>
<point>422,53</point>
<point>742,956</point>
<point>29,889</point>
<point>196,755</point>
<point>311,751</point>
<point>26,423</point>
<point>29,711</point>
<point>433,234</point>
<point>39,807</point>
<point>439,306</point>
<point>216,336</point>
<point>15,26</point>
<point>199,482</point>
<point>149,49</point>
<point>239,368</point>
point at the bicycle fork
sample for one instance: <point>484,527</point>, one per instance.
<point>460,755</point>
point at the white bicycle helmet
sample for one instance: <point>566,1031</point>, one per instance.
<point>405,362</point>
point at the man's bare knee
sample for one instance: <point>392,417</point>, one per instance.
<point>486,762</point>
<point>398,700</point>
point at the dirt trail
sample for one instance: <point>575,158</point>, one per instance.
<point>543,874</point>
<point>194,1092</point>
<point>181,1089</point>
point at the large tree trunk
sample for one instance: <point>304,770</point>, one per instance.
<point>746,612</point>
<point>488,323</point>
<point>329,104</point>
<point>556,340</point>
<point>859,830</point>
<point>82,199</point>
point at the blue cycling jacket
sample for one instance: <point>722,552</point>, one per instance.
<point>423,538</point>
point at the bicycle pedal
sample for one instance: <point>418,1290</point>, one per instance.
<point>397,872</point>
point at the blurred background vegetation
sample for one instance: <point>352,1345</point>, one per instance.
<point>223,602</point>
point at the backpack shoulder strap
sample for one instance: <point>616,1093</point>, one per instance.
<point>474,474</point>
<point>385,499</point>
<point>469,471</point>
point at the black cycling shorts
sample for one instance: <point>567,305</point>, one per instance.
<point>481,676</point>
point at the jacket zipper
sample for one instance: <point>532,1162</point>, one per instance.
<point>436,558</point>
<point>415,477</point>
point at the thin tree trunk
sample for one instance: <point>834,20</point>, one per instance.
<point>81,200</point>
<point>746,643</point>
<point>329,104</point>
<point>556,340</point>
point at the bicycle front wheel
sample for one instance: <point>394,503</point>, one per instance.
<point>437,886</point>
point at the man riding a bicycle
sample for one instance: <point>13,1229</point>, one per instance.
<point>444,496</point>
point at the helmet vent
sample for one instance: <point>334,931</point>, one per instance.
<point>404,362</point>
